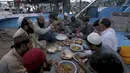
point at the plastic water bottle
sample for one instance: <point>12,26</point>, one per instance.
<point>77,33</point>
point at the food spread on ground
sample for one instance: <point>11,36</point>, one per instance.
<point>66,54</point>
<point>60,43</point>
<point>78,55</point>
<point>76,47</point>
<point>61,37</point>
<point>65,68</point>
<point>52,48</point>
<point>78,41</point>
<point>68,42</point>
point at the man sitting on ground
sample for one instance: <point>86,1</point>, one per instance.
<point>12,61</point>
<point>98,47</point>
<point>108,35</point>
<point>87,28</point>
<point>27,27</point>
<point>43,30</point>
<point>66,19</point>
<point>74,24</point>
<point>105,63</point>
<point>35,61</point>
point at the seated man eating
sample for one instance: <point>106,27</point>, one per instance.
<point>35,61</point>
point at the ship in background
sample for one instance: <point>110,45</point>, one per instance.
<point>60,6</point>
<point>117,10</point>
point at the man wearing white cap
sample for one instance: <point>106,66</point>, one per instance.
<point>66,19</point>
<point>97,47</point>
<point>12,61</point>
<point>64,22</point>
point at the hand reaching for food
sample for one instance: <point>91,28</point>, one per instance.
<point>52,26</point>
<point>81,64</point>
<point>57,67</point>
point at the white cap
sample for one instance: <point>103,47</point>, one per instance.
<point>19,33</point>
<point>94,38</point>
<point>65,14</point>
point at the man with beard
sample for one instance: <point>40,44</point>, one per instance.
<point>43,30</point>
<point>12,61</point>
<point>27,27</point>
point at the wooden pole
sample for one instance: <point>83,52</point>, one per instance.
<point>66,5</point>
<point>80,5</point>
<point>51,6</point>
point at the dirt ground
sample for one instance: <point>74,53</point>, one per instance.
<point>6,40</point>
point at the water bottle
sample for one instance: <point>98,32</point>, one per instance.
<point>77,33</point>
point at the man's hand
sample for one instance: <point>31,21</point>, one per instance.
<point>52,27</point>
<point>57,67</point>
<point>50,61</point>
<point>81,64</point>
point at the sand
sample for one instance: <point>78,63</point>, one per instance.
<point>6,40</point>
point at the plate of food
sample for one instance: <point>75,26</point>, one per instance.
<point>68,42</point>
<point>52,48</point>
<point>61,37</point>
<point>76,47</point>
<point>78,41</point>
<point>60,43</point>
<point>66,54</point>
<point>67,67</point>
<point>78,55</point>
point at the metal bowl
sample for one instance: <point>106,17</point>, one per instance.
<point>76,45</point>
<point>74,68</point>
<point>78,55</point>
